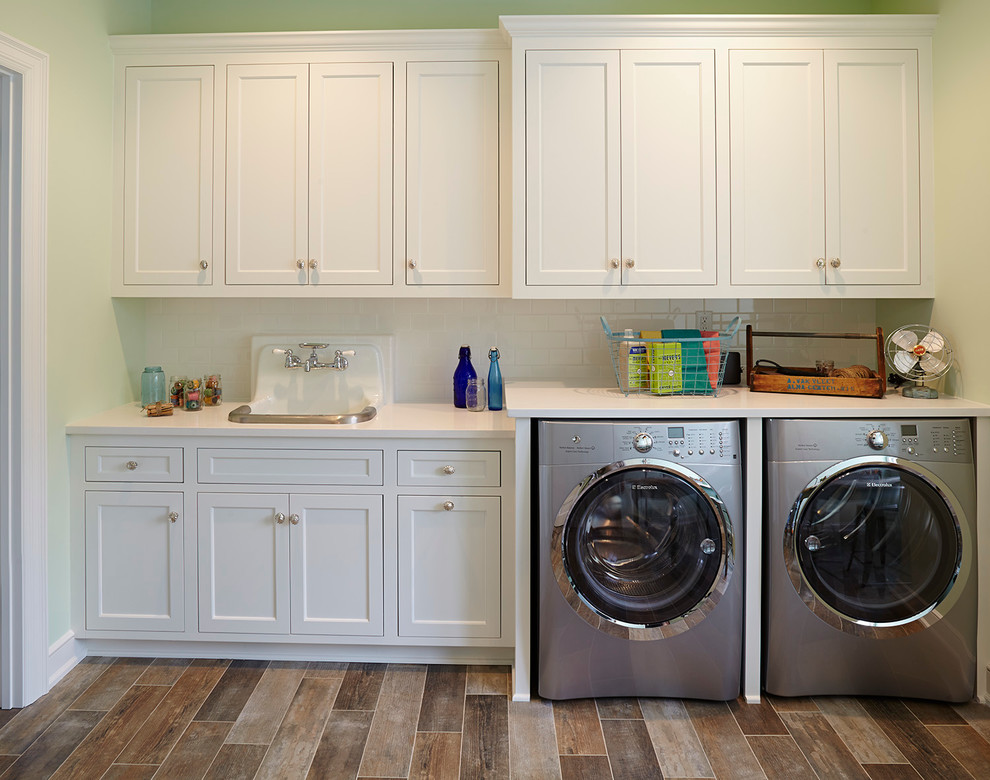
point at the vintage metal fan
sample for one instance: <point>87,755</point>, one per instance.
<point>919,354</point>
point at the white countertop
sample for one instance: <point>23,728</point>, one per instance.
<point>557,399</point>
<point>394,420</point>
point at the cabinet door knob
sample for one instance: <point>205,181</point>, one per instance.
<point>294,519</point>
<point>173,517</point>
<point>614,262</point>
<point>448,506</point>
<point>835,262</point>
<point>204,264</point>
<point>131,465</point>
<point>448,469</point>
<point>279,518</point>
<point>300,264</point>
<point>412,263</point>
<point>312,265</point>
<point>630,263</point>
<point>820,262</point>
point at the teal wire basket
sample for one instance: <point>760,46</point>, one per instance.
<point>647,363</point>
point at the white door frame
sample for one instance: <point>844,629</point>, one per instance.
<point>23,424</point>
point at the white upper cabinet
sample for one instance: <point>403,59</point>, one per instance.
<point>825,171</point>
<point>168,176</point>
<point>452,173</point>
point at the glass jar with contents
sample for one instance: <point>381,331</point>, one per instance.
<point>192,399</point>
<point>212,390</point>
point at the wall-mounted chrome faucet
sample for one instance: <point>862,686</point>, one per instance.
<point>292,360</point>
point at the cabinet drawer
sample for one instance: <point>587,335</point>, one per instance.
<point>134,464</point>
<point>290,467</point>
<point>439,467</point>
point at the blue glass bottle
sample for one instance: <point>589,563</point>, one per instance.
<point>462,374</point>
<point>494,381</point>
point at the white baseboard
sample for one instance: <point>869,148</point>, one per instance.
<point>63,655</point>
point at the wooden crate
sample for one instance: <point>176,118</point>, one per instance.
<point>797,379</point>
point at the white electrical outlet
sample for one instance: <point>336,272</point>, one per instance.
<point>704,320</point>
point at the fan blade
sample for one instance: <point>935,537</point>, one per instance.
<point>933,342</point>
<point>933,365</point>
<point>905,339</point>
<point>905,362</point>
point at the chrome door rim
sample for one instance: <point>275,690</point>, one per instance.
<point>829,614</point>
<point>610,625</point>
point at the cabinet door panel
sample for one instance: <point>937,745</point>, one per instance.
<point>336,565</point>
<point>267,176</point>
<point>168,175</point>
<point>350,184</point>
<point>777,167</point>
<point>243,563</point>
<point>873,204</point>
<point>668,167</point>
<point>134,570</point>
<point>572,167</point>
<point>452,183</point>
<point>449,566</point>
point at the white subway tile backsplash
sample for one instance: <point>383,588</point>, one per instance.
<point>538,340</point>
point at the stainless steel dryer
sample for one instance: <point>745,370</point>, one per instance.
<point>871,586</point>
<point>639,559</point>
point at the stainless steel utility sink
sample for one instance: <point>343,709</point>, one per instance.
<point>322,395</point>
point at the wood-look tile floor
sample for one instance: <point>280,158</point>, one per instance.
<point>166,718</point>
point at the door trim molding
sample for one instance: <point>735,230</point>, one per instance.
<point>24,519</point>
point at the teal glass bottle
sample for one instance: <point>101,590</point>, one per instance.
<point>494,381</point>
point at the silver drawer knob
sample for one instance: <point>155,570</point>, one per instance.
<point>173,517</point>
<point>279,518</point>
<point>294,519</point>
<point>131,465</point>
<point>614,262</point>
<point>448,506</point>
<point>835,262</point>
<point>204,264</point>
<point>312,264</point>
<point>448,469</point>
<point>630,263</point>
<point>820,262</point>
<point>412,264</point>
<point>300,264</point>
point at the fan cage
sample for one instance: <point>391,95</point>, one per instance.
<point>916,373</point>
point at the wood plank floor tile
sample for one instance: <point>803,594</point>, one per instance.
<point>194,752</point>
<point>757,719</point>
<point>393,731</point>
<point>342,745</point>
<point>6,761</point>
<point>579,731</point>
<point>7,715</point>
<point>630,751</point>
<point>231,693</point>
<point>674,738</point>
<point>533,741</point>
<point>164,671</point>
<point>361,686</point>
<point>792,703</point>
<point>130,772</point>
<point>327,669</point>
<point>98,750</point>
<point>162,730</point>
<point>934,713</point>
<point>485,739</point>
<point>891,772</point>
<point>967,746</point>
<point>299,734</point>
<point>781,758</point>
<point>483,680</point>
<point>619,709</point>
<point>238,762</point>
<point>111,685</point>
<point>917,743</point>
<point>436,756</point>
<point>822,746</point>
<point>585,768</point>
<point>48,752</point>
<point>443,698</point>
<point>29,723</point>
<point>861,734</point>
<point>261,716</point>
<point>976,715</point>
<point>728,751</point>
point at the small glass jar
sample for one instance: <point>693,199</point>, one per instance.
<point>475,396</point>
<point>152,386</point>
<point>176,390</point>
<point>212,390</point>
<point>192,398</point>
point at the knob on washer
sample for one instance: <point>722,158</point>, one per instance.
<point>643,442</point>
<point>877,439</point>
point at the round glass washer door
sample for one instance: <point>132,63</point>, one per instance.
<point>876,544</point>
<point>643,543</point>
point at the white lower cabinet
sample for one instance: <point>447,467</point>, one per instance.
<point>279,564</point>
<point>449,566</point>
<point>134,570</point>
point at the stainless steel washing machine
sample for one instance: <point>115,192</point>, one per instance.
<point>871,578</point>
<point>639,559</point>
